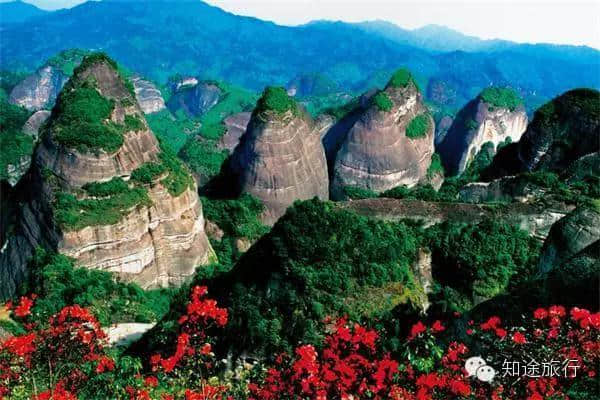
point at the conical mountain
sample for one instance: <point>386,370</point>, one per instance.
<point>391,144</point>
<point>280,158</point>
<point>496,115</point>
<point>104,192</point>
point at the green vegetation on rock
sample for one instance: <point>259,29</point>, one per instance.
<point>382,101</point>
<point>58,282</point>
<point>67,60</point>
<point>103,189</point>
<point>82,120</point>
<point>148,172</point>
<point>275,98</point>
<point>14,144</point>
<point>501,97</point>
<point>480,260</point>
<point>72,213</point>
<point>318,260</point>
<point>436,166</point>
<point>418,126</point>
<point>203,157</point>
<point>401,78</point>
<point>357,193</point>
<point>237,217</point>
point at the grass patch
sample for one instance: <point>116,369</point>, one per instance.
<point>401,78</point>
<point>237,217</point>
<point>418,126</point>
<point>203,157</point>
<point>276,99</point>
<point>382,101</point>
<point>501,97</point>
<point>73,214</point>
<point>436,166</point>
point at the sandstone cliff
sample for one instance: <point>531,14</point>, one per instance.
<point>480,122</point>
<point>236,125</point>
<point>194,99</point>
<point>147,95</point>
<point>280,158</point>
<point>39,90</point>
<point>562,131</point>
<point>537,219</point>
<point>569,236</point>
<point>33,124</point>
<point>121,203</point>
<point>390,144</point>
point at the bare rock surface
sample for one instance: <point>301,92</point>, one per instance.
<point>377,154</point>
<point>476,124</point>
<point>279,160</point>
<point>159,243</point>
<point>533,218</point>
<point>148,96</point>
<point>569,236</point>
<point>33,124</point>
<point>39,90</point>
<point>236,125</point>
<point>195,99</point>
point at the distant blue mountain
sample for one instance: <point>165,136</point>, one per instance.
<point>17,11</point>
<point>162,37</point>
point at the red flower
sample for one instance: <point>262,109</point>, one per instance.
<point>105,364</point>
<point>519,338</point>
<point>151,381</point>
<point>556,311</point>
<point>24,307</point>
<point>501,333</point>
<point>437,326</point>
<point>540,313</point>
<point>417,329</point>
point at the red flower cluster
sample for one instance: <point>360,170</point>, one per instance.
<point>347,366</point>
<point>191,341</point>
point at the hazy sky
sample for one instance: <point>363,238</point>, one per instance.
<point>565,22</point>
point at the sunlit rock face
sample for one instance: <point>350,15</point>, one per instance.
<point>477,124</point>
<point>280,159</point>
<point>158,242</point>
<point>148,96</point>
<point>39,90</point>
<point>194,98</point>
<point>377,154</point>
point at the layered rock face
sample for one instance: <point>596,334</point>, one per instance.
<point>378,154</point>
<point>148,96</point>
<point>195,99</point>
<point>478,123</point>
<point>156,239</point>
<point>280,158</point>
<point>39,90</point>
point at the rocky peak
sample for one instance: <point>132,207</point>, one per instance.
<point>562,131</point>
<point>280,158</point>
<point>105,193</point>
<point>497,116</point>
<point>148,96</point>
<point>570,235</point>
<point>39,90</point>
<point>195,99</point>
<point>391,143</point>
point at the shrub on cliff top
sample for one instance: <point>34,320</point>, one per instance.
<point>501,97</point>
<point>275,98</point>
<point>401,78</point>
<point>383,102</point>
<point>418,126</point>
<point>81,120</point>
